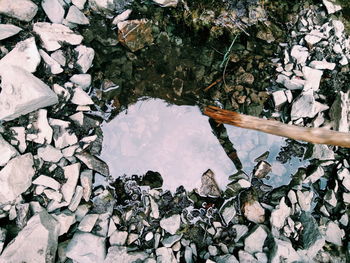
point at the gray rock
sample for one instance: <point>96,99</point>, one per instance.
<point>54,10</point>
<point>86,248</point>
<point>8,30</point>
<point>331,6</point>
<point>75,16</point>
<point>43,131</point>
<point>71,173</point>
<point>118,238</point>
<point>16,177</point>
<point>121,254</point>
<point>61,133</point>
<point>322,152</point>
<point>23,10</point>
<point>305,106</point>
<point>65,219</point>
<point>305,199</point>
<point>86,183</point>
<point>171,224</point>
<point>334,234</point>
<point>54,66</point>
<point>315,175</point>
<point>171,240</point>
<point>188,255</point>
<point>24,55</point>
<point>255,241</point>
<point>7,151</point>
<point>88,222</point>
<point>54,35</point>
<point>37,242</point>
<point>166,3</point>
<point>80,97</point>
<point>300,54</point>
<point>279,215</point>
<point>50,154</point>
<point>79,3</point>
<point>22,93</point>
<point>165,255</point>
<point>82,81</point>
<point>209,186</point>
<point>85,56</point>
<point>93,163</point>
<point>283,251</point>
<point>47,182</point>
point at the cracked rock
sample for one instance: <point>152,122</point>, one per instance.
<point>23,10</point>
<point>171,224</point>
<point>54,10</point>
<point>8,30</point>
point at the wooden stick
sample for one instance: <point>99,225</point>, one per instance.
<point>313,135</point>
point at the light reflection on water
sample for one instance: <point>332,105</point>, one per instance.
<point>177,142</point>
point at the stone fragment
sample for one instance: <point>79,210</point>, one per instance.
<point>54,66</point>
<point>322,152</point>
<point>85,56</point>
<point>135,34</point>
<point>121,17</point>
<point>24,55</point>
<point>118,238</point>
<point>165,254</point>
<point>43,131</point>
<point>75,16</point>
<point>344,177</point>
<point>228,213</point>
<point>166,3</point>
<point>305,106</point>
<point>54,10</point>
<point>8,30</point>
<point>23,10</point>
<point>16,177</point>
<point>53,195</point>
<point>54,35</point>
<point>314,37</point>
<point>334,234</point>
<point>65,219</point>
<point>315,176</point>
<point>283,251</point>
<point>262,169</point>
<point>61,134</point>
<point>3,234</point>
<point>209,186</point>
<point>82,81</point>
<point>254,212</point>
<point>330,198</point>
<point>7,151</point>
<point>300,54</point>
<point>86,248</point>
<point>305,199</point>
<point>50,154</point>
<point>316,64</point>
<point>80,97</point>
<point>279,99</point>
<point>121,254</point>
<point>88,222</point>
<point>22,93</point>
<point>312,78</point>
<point>294,83</point>
<point>244,257</point>
<point>59,56</point>
<point>169,241</point>
<point>280,214</point>
<point>37,241</point>
<point>79,3</point>
<point>71,173</point>
<point>86,183</point>
<point>255,241</point>
<point>47,182</point>
<point>102,6</point>
<point>93,163</point>
<point>171,224</point>
<point>20,136</point>
<point>331,6</point>
<point>338,28</point>
<point>340,112</point>
<point>76,198</point>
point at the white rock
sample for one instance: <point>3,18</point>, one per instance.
<point>254,212</point>
<point>16,177</point>
<point>20,136</point>
<point>118,238</point>
<point>76,198</point>
<point>80,97</point>
<point>54,35</point>
<point>279,98</point>
<point>86,248</point>
<point>121,254</point>
<point>50,154</point>
<point>340,112</point>
<point>314,37</point>
<point>54,66</point>
<point>79,3</point>
<point>171,224</point>
<point>22,93</point>
<point>337,48</point>
<point>54,10</point>
<point>330,198</point>
<point>86,183</point>
<point>243,256</point>
<point>346,198</point>
<point>65,219</point>
<point>283,251</point>
<point>322,152</point>
<point>23,10</point>
<point>280,214</point>
<point>322,65</point>
<point>43,131</point>
<point>338,28</point>
<point>81,211</point>
<point>24,55</point>
<point>47,182</point>
<point>165,254</point>
<point>71,173</point>
<point>62,135</point>
<point>104,6</point>
<point>305,105</point>
<point>58,55</point>
<point>37,241</point>
<point>312,77</point>
<point>315,176</point>
<point>7,151</point>
<point>300,54</point>
<point>53,195</point>
<point>85,56</point>
<point>166,3</point>
<point>293,83</point>
<point>344,177</point>
<point>75,16</point>
<point>255,241</point>
<point>88,222</point>
<point>121,17</point>
<point>331,6</point>
<point>344,220</point>
<point>8,30</point>
<point>81,80</point>
<point>305,199</point>
<point>334,234</point>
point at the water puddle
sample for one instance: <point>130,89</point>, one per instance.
<point>178,142</point>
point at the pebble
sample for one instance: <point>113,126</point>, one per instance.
<point>76,198</point>
<point>23,10</point>
<point>279,98</point>
<point>312,78</point>
<point>59,56</point>
<point>86,182</point>
<point>322,65</point>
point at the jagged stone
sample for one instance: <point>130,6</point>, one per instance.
<point>8,30</point>
<point>121,254</point>
<point>75,16</point>
<point>85,56</point>
<point>7,151</point>
<point>55,67</point>
<point>23,10</point>
<point>54,10</point>
<point>171,224</point>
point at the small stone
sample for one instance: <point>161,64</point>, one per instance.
<point>295,83</point>
<point>80,97</point>
<point>76,198</point>
<point>93,163</point>
<point>65,219</point>
<point>55,67</point>
<point>344,177</point>
<point>59,56</point>
<point>245,257</point>
<point>283,251</point>
<point>322,152</point>
<point>330,198</point>
<point>50,154</point>
<point>7,151</point>
<point>334,234</point>
<point>47,182</point>
<point>171,224</point>
<point>279,99</point>
<point>43,131</point>
<point>16,177</point>
<point>75,16</point>
<point>279,215</point>
<point>305,106</point>
<point>228,213</point>
<point>322,65</point>
<point>8,30</point>
<point>82,81</point>
<point>165,255</point>
<point>166,3</point>
<point>312,77</point>
<point>171,240</point>
<point>61,133</point>
<point>20,136</point>
<point>315,176</point>
<point>87,248</point>
<point>23,10</point>
<point>304,199</point>
<point>300,54</point>
<point>149,236</point>
<point>54,10</point>
<point>209,186</point>
<point>331,6</point>
<point>54,35</point>
<point>121,254</point>
<point>255,241</point>
<point>338,28</point>
<point>254,212</point>
<point>53,195</point>
<point>86,183</point>
<point>314,37</point>
<point>71,173</point>
<point>262,169</point>
<point>79,3</point>
<point>84,58</point>
<point>118,238</point>
<point>346,198</point>
<point>88,222</point>
<point>241,230</point>
<point>213,250</point>
<point>102,6</point>
<point>121,17</point>
<point>340,111</point>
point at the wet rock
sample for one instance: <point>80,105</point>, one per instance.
<point>135,34</point>
<point>80,97</point>
<point>54,35</point>
<point>61,133</point>
<point>279,215</point>
<point>166,3</point>
<point>54,10</point>
<point>283,251</point>
<point>165,255</point>
<point>331,6</point>
<point>42,130</point>
<point>262,169</point>
<point>171,224</point>
<point>209,186</point>
<point>37,242</point>
<point>53,65</point>
<point>17,99</point>
<point>23,10</point>
<point>305,106</point>
<point>50,154</point>
<point>7,151</point>
<point>93,163</point>
<point>75,16</point>
<point>88,222</point>
<point>24,55</point>
<point>71,173</point>
<point>340,112</point>
<point>8,30</point>
<point>300,54</point>
<point>16,177</point>
<point>85,56</point>
<point>121,254</point>
<point>47,182</point>
<point>65,219</point>
<point>255,241</point>
<point>118,238</point>
<point>86,248</point>
<point>254,212</point>
<point>82,81</point>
